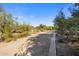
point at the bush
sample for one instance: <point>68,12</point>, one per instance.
<point>7,37</point>
<point>75,48</point>
<point>19,35</point>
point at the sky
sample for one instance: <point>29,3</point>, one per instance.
<point>36,13</point>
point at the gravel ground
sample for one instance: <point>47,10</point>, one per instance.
<point>40,45</point>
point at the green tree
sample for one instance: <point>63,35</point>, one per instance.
<point>6,24</point>
<point>59,22</point>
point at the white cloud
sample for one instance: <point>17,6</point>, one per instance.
<point>24,17</point>
<point>31,16</point>
<point>20,17</point>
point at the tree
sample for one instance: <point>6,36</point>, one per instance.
<point>70,26</point>
<point>6,24</point>
<point>59,21</point>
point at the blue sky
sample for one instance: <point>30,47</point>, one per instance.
<point>36,13</point>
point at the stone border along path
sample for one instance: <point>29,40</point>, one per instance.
<point>52,49</point>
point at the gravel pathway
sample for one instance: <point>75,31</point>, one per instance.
<point>40,44</point>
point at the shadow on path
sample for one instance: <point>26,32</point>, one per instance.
<point>40,45</point>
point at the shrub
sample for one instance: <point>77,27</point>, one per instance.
<point>7,37</point>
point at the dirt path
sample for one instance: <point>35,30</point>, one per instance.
<point>9,49</point>
<point>40,45</point>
